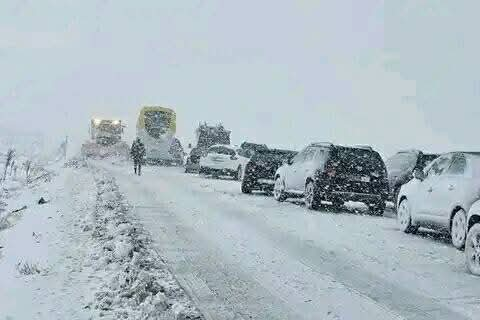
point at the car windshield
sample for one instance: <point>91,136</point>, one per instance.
<point>426,160</point>
<point>221,150</point>
<point>109,127</point>
<point>157,123</point>
<point>352,160</point>
<point>403,161</point>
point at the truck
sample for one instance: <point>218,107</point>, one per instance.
<point>106,139</point>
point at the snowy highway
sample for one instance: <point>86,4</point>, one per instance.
<point>249,257</point>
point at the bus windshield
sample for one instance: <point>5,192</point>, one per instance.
<point>157,123</point>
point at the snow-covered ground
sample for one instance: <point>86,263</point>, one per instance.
<point>82,255</point>
<point>112,245</point>
<point>248,257</point>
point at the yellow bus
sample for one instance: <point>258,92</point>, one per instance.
<point>156,127</point>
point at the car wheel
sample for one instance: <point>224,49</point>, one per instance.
<point>378,209</point>
<point>279,190</point>
<point>472,250</point>
<point>311,198</point>
<point>458,231</point>
<point>404,217</point>
<point>337,204</point>
<point>246,186</point>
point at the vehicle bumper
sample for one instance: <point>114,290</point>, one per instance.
<point>218,171</point>
<point>263,184</point>
<point>355,196</point>
<point>192,167</point>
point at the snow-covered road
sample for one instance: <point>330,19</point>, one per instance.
<point>248,257</point>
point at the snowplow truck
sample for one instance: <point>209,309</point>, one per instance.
<point>106,140</point>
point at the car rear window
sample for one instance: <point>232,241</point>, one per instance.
<point>222,150</point>
<point>273,154</point>
<point>358,161</point>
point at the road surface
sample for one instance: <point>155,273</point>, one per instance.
<point>249,257</point>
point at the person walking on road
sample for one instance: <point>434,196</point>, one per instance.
<point>138,155</point>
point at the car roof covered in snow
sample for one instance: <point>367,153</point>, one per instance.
<point>471,153</point>
<point>224,145</point>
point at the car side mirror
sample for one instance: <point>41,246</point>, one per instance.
<point>419,174</point>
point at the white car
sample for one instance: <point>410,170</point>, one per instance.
<point>223,160</point>
<point>472,245</point>
<point>441,196</point>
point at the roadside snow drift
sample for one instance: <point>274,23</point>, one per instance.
<point>136,282</point>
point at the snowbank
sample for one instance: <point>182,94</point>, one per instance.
<point>136,282</point>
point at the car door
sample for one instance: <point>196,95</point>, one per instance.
<point>309,166</point>
<point>450,190</point>
<point>304,169</point>
<point>291,171</point>
<point>424,201</point>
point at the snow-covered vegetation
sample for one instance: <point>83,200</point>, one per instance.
<point>71,248</point>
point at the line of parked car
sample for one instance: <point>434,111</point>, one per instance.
<point>439,192</point>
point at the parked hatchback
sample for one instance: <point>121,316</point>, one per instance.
<point>472,245</point>
<point>260,170</point>
<point>223,160</point>
<point>440,196</point>
<point>401,166</point>
<point>327,172</point>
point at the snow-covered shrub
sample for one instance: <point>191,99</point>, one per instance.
<point>27,167</point>
<point>8,162</point>
<point>27,268</point>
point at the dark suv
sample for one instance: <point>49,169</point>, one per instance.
<point>260,170</point>
<point>401,166</point>
<point>334,173</point>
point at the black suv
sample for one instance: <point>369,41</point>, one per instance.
<point>334,173</point>
<point>401,166</point>
<point>248,149</point>
<point>260,170</point>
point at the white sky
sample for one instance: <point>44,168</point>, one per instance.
<point>395,75</point>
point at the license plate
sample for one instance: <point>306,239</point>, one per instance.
<point>360,178</point>
<point>266,181</point>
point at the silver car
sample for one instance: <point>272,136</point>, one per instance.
<point>441,196</point>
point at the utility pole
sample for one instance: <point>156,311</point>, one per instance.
<point>65,149</point>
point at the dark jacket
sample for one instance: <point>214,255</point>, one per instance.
<point>138,151</point>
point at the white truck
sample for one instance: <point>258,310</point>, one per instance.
<point>106,140</point>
